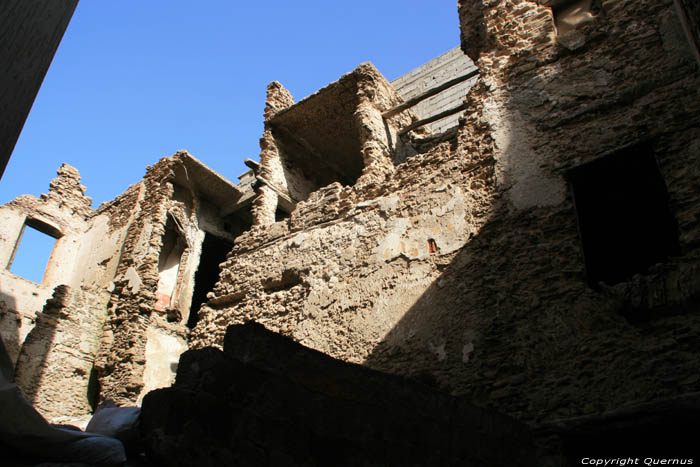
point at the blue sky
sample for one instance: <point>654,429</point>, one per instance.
<point>134,81</point>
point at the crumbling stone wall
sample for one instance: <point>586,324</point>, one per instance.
<point>335,135</point>
<point>146,328</point>
<point>100,294</point>
<point>463,265</point>
<point>121,359</point>
<point>55,366</point>
<point>62,213</point>
<point>53,327</point>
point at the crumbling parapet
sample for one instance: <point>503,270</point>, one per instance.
<point>66,190</point>
<point>335,135</point>
<point>61,216</point>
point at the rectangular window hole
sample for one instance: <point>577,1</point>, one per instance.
<point>624,219</point>
<point>33,250</point>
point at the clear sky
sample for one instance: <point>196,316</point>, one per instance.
<point>135,80</point>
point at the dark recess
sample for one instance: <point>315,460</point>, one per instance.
<point>624,219</point>
<point>214,251</point>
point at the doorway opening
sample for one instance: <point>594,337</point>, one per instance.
<point>214,251</point>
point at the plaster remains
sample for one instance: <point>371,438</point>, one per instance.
<point>540,258</point>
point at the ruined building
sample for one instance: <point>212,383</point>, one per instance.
<point>541,257</point>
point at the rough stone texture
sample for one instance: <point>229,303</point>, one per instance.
<point>463,264</point>
<point>334,135</point>
<point>450,65</point>
<point>30,31</point>
<point>266,400</point>
<point>55,365</point>
<point>119,301</point>
<point>170,200</point>
<point>451,258</point>
<point>67,191</point>
<point>62,213</point>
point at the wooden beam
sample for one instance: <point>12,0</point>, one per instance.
<point>429,93</point>
<point>436,117</point>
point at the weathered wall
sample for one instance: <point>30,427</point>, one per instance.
<point>104,274</point>
<point>464,266</point>
<point>335,135</point>
<point>146,326</point>
<point>53,328</point>
<point>450,65</point>
<point>55,365</point>
<point>30,31</point>
<point>64,211</point>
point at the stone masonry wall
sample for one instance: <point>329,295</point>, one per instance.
<point>146,326</point>
<point>55,366</point>
<point>463,267</point>
<point>62,213</point>
<point>121,359</point>
<point>450,65</point>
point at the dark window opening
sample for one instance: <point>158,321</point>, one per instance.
<point>214,251</point>
<point>624,218</point>
<point>239,221</point>
<point>281,215</point>
<point>93,389</point>
<point>33,250</point>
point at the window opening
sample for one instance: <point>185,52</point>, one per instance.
<point>214,251</point>
<point>624,219</point>
<point>281,215</point>
<point>33,250</point>
<point>569,14</point>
